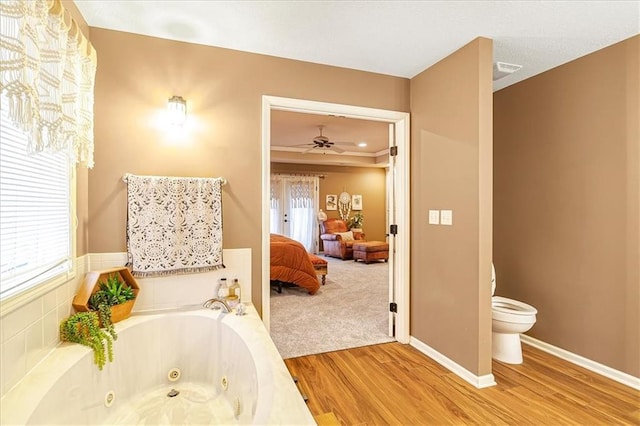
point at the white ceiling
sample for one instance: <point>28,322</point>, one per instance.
<point>399,38</point>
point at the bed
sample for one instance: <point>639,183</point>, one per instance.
<point>290,263</point>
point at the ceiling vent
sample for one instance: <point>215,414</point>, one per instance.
<point>503,69</point>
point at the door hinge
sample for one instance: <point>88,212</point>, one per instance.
<point>393,229</point>
<point>393,307</point>
<point>393,151</point>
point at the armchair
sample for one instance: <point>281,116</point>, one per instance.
<point>335,238</point>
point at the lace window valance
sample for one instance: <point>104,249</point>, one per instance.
<point>47,72</point>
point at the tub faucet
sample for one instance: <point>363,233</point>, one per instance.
<point>209,304</point>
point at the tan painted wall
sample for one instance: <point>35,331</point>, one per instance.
<point>370,182</point>
<point>567,203</point>
<point>223,89</point>
<point>451,142</point>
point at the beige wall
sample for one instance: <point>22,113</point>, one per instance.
<point>223,88</point>
<point>370,182</point>
<point>567,203</point>
<point>451,139</point>
<point>567,178</point>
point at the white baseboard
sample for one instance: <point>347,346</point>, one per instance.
<point>618,376</point>
<point>477,381</point>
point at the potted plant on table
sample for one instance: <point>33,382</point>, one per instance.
<point>104,298</point>
<point>356,222</point>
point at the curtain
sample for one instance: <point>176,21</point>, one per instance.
<point>303,211</point>
<point>275,211</point>
<point>47,72</point>
<point>295,199</point>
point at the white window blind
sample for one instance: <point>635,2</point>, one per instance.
<point>35,211</point>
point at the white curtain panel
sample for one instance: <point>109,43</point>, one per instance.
<point>295,198</point>
<point>275,210</point>
<point>303,210</point>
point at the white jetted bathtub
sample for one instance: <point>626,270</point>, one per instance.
<point>175,368</point>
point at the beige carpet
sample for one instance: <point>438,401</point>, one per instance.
<point>350,310</point>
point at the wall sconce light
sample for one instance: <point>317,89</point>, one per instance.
<point>177,110</point>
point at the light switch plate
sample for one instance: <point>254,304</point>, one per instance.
<point>434,217</point>
<point>446,217</point>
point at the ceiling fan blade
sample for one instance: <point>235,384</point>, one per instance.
<point>305,144</point>
<point>336,149</point>
<point>307,150</point>
<point>344,143</point>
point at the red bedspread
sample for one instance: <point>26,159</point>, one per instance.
<point>290,263</point>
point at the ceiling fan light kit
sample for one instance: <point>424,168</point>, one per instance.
<point>323,143</point>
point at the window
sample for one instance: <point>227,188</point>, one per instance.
<point>35,212</point>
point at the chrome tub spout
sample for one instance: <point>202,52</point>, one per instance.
<point>211,303</point>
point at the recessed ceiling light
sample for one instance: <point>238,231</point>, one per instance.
<point>362,144</point>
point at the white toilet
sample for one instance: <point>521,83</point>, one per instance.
<point>509,319</point>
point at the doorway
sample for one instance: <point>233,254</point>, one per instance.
<point>398,196</point>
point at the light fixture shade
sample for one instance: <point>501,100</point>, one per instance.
<point>503,69</point>
<point>177,110</point>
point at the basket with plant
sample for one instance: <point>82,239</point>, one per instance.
<point>104,298</point>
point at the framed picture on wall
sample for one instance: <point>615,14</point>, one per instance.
<point>356,202</point>
<point>332,202</point>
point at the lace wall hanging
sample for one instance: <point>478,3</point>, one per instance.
<point>47,72</point>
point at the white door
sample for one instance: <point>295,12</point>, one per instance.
<point>391,221</point>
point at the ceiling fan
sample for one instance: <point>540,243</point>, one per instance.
<point>323,143</point>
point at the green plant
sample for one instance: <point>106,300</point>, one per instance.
<point>112,292</point>
<point>356,221</point>
<point>104,317</point>
<point>84,328</point>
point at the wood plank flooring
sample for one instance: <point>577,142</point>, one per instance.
<point>395,384</point>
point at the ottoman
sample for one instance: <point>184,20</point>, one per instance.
<point>370,251</point>
<point>320,265</point>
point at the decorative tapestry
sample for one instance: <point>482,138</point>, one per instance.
<point>174,225</point>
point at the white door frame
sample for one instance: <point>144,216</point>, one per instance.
<point>401,121</point>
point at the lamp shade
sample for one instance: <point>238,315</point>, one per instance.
<point>177,110</point>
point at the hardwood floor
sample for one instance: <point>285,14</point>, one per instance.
<point>396,384</point>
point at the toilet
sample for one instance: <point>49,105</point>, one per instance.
<point>509,319</point>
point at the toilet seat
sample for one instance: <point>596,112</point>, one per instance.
<point>510,306</point>
<point>512,311</point>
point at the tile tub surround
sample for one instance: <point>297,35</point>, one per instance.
<point>193,289</point>
<point>256,375</point>
<point>30,332</point>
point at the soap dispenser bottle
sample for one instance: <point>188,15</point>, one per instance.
<point>234,294</point>
<point>223,289</point>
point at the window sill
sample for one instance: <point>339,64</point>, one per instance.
<point>16,301</point>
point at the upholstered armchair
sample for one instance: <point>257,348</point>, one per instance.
<point>337,240</point>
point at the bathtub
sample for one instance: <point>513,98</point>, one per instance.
<point>181,367</point>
